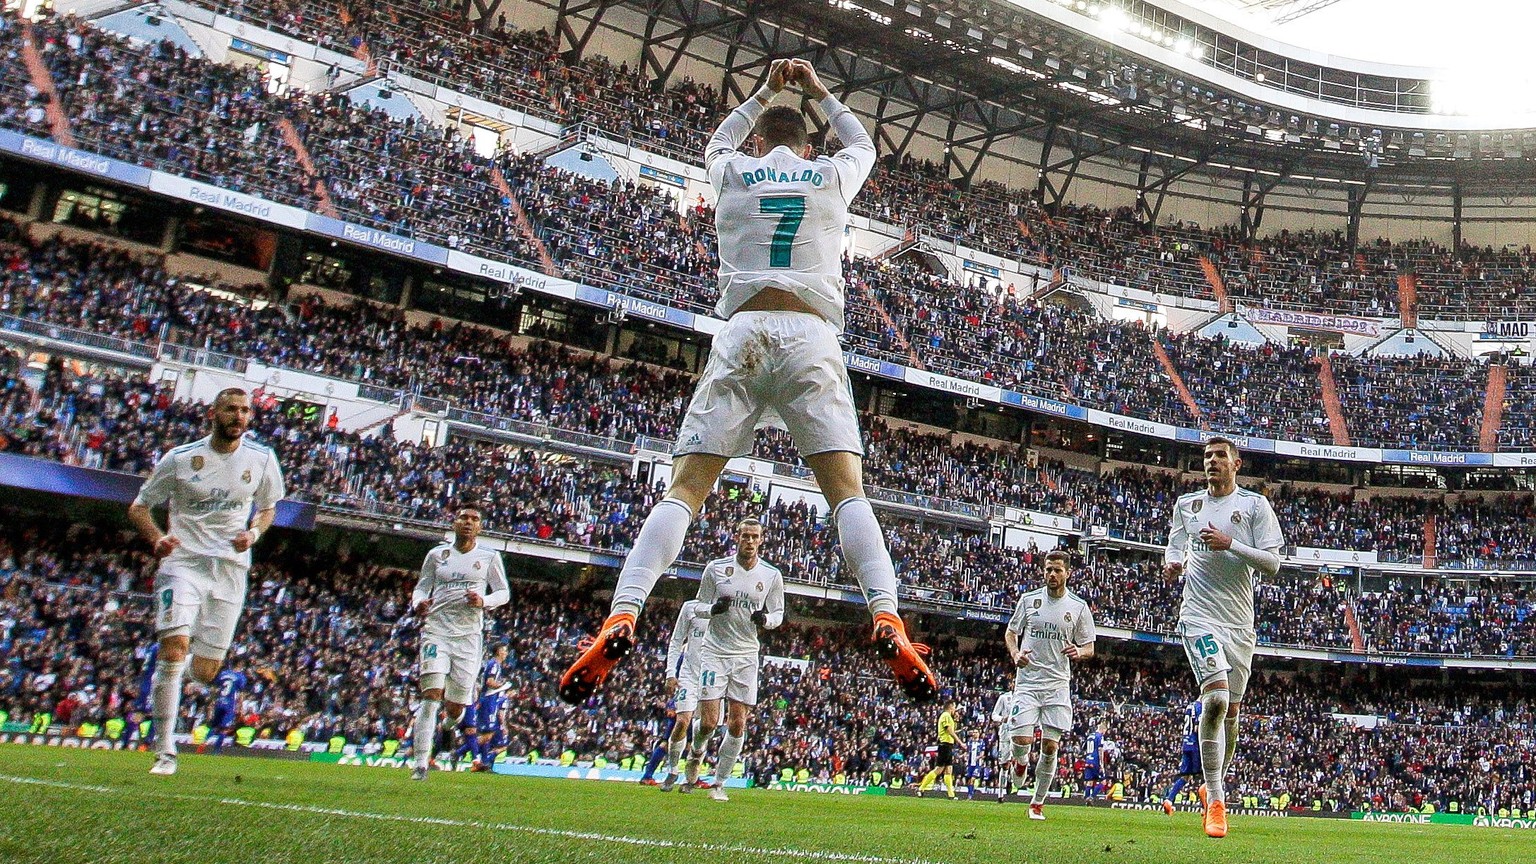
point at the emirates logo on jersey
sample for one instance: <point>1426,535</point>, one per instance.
<point>197,463</point>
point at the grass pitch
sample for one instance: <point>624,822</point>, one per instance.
<point>62,806</point>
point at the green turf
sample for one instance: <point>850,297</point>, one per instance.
<point>95,806</point>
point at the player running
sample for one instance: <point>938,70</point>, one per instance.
<point>1051,628</point>
<point>1189,756</point>
<point>944,759</point>
<point>684,651</point>
<point>1007,772</point>
<point>459,582</point>
<point>211,486</point>
<point>739,594</point>
<point>780,217</point>
<point>1217,539</point>
<point>227,687</point>
<point>482,721</point>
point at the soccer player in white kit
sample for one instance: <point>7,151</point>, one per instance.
<point>780,217</point>
<point>211,486</point>
<point>738,595</point>
<point>1002,715</point>
<point>1216,540</point>
<point>1051,628</point>
<point>459,582</point>
<point>682,685</point>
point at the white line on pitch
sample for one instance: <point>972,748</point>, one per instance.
<point>781,852</point>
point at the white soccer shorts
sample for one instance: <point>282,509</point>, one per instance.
<point>779,369</point>
<point>687,696</point>
<point>201,598</point>
<point>1217,649</point>
<point>1051,710</point>
<point>734,678</point>
<point>452,663</point>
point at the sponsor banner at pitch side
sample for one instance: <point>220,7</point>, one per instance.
<point>826,788</point>
<point>1475,820</point>
<point>586,772</point>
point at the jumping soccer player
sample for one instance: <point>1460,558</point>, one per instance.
<point>1051,629</point>
<point>684,652</point>
<point>780,218</point>
<point>1189,756</point>
<point>211,486</point>
<point>739,594</point>
<point>1217,540</point>
<point>459,582</point>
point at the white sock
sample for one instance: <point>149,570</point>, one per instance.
<point>1213,745</point>
<point>730,751</point>
<point>675,751</point>
<point>451,721</point>
<point>165,702</point>
<point>657,547</point>
<point>1045,772</point>
<point>701,742</point>
<point>864,549</point>
<point>426,730</point>
<point>1231,749</point>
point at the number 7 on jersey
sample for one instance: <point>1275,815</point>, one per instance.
<point>791,212</point>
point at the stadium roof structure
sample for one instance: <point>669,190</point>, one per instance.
<point>1166,90</point>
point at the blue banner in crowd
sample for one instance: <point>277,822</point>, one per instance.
<point>25,472</point>
<point>74,160</point>
<point>1432,457</point>
<point>1044,405</point>
<point>871,366</point>
<point>376,239</point>
<point>634,306</point>
<point>1200,436</point>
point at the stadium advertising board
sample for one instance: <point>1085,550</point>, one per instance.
<point>1475,820</point>
<point>1314,321</point>
<point>958,386</point>
<point>586,772</point>
<point>373,238</point>
<point>826,788</point>
<point>1435,457</point>
<point>1044,405</point>
<point>511,274</point>
<point>1309,554</point>
<point>1149,428</point>
<point>74,160</point>
<point>871,366</point>
<point>1332,452</point>
<point>634,306</point>
<point>223,199</point>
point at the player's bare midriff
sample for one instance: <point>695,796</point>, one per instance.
<point>775,300</point>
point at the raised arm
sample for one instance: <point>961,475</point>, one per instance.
<point>737,125</point>
<point>857,158</point>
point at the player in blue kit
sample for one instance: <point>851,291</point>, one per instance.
<point>227,687</point>
<point>482,721</point>
<point>1093,765</point>
<point>975,763</point>
<point>1189,759</point>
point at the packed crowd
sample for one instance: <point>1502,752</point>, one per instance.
<point>329,647</point>
<point>412,177</point>
<point>124,422</point>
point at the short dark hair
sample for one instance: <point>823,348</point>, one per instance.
<point>230,391</point>
<point>468,504</point>
<point>748,520</point>
<point>784,125</point>
<point>1218,439</point>
<point>1059,555</point>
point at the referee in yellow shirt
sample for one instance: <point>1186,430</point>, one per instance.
<point>943,763</point>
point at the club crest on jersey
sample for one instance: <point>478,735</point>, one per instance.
<point>246,477</point>
<point>443,555</point>
<point>1237,518</point>
<point>197,463</point>
<point>730,570</point>
<point>1197,504</point>
<point>1066,617</point>
<point>477,565</point>
<point>1036,604</point>
<point>759,586</point>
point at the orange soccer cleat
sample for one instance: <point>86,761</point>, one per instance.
<point>1216,819</point>
<point>1167,806</point>
<point>1203,795</point>
<point>615,639</point>
<point>905,658</point>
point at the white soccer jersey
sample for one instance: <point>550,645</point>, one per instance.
<point>1003,709</point>
<point>781,219</point>
<point>447,577</point>
<point>1044,626</point>
<point>1218,586</point>
<point>687,640</point>
<point>734,633</point>
<point>211,495</point>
